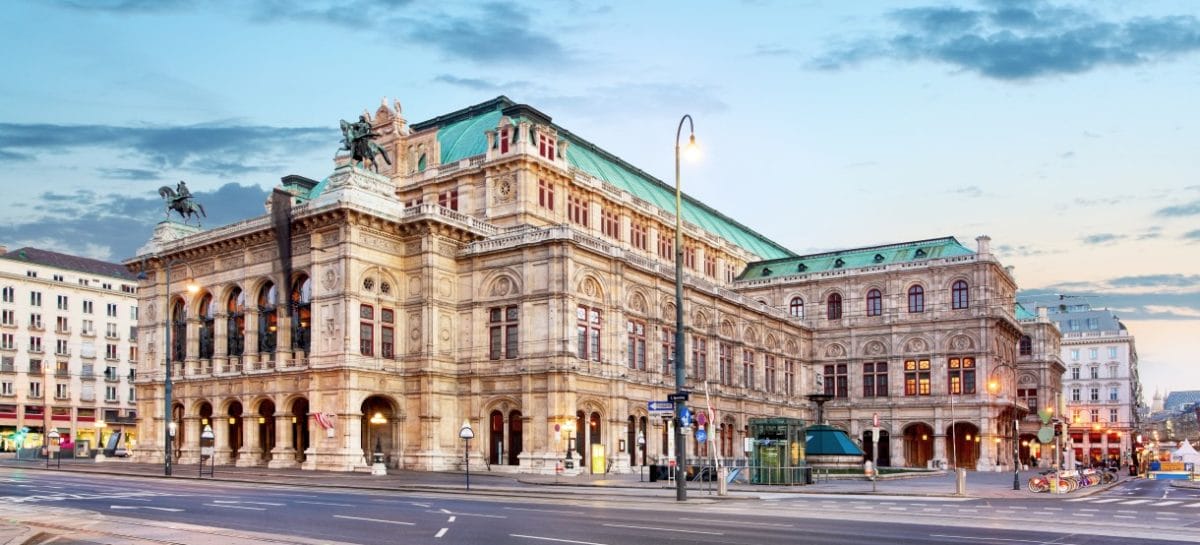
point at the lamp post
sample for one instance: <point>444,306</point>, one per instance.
<point>168,422</point>
<point>569,427</point>
<point>52,447</point>
<point>994,386</point>
<point>680,404</point>
<point>466,433</point>
<point>377,465</point>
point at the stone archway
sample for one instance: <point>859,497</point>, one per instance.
<point>918,444</point>
<point>378,425</point>
<point>962,444</point>
<point>300,435</point>
<point>884,459</point>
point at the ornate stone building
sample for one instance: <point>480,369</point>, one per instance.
<point>504,272</point>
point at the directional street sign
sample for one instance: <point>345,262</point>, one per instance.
<point>661,407</point>
<point>685,416</point>
<point>681,396</point>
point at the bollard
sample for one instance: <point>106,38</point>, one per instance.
<point>960,482</point>
<point>722,486</point>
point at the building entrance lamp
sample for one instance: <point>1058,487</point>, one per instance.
<point>641,445</point>
<point>680,350</point>
<point>377,420</point>
<point>569,427</point>
<point>466,434</point>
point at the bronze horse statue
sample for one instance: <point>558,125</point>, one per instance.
<point>357,139</point>
<point>181,201</point>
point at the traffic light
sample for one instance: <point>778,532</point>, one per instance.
<point>1058,429</point>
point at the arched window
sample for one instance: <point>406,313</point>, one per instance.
<point>874,303</point>
<point>833,306</point>
<point>958,295</point>
<point>268,319</point>
<point>301,310</point>
<point>1026,346</point>
<point>208,316</point>
<point>916,299</point>
<point>235,311</point>
<point>796,307</point>
<point>178,330</point>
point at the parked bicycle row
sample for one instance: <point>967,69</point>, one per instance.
<point>1070,481</point>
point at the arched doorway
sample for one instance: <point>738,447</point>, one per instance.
<point>631,439</point>
<point>177,427</point>
<point>643,434</point>
<point>515,441</point>
<point>1029,449</point>
<point>378,420</point>
<point>595,441</point>
<point>268,319</point>
<point>918,444</point>
<point>495,437</point>
<point>234,422</point>
<point>300,428</point>
<point>962,444</point>
<point>884,458</point>
<point>266,428</point>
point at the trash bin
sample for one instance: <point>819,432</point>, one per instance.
<point>806,474</point>
<point>654,469</point>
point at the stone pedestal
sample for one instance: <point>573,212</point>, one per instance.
<point>165,232</point>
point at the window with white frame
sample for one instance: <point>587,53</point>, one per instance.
<point>1094,353</point>
<point>110,393</point>
<point>7,341</point>
<point>8,317</point>
<point>1114,393</point>
<point>62,302</point>
<point>111,310</point>
<point>1075,394</point>
<point>1095,415</point>
<point>1094,394</point>
<point>35,298</point>
<point>6,389</point>
<point>88,307</point>
<point>35,389</point>
<point>1112,415</point>
<point>9,294</point>
<point>1075,354</point>
<point>60,347</point>
<point>62,391</point>
<point>1112,352</point>
<point>111,331</point>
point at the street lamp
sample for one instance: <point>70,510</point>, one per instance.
<point>377,466</point>
<point>53,446</point>
<point>168,418</point>
<point>994,387</point>
<point>466,433</point>
<point>680,404</point>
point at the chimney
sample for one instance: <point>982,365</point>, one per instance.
<point>1043,314</point>
<point>985,245</point>
<point>3,249</point>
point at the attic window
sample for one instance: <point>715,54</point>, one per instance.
<point>879,258</point>
<point>766,271</point>
<point>919,253</point>
<point>801,267</point>
<point>839,263</point>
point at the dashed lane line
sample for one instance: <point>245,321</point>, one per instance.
<point>660,529</point>
<point>331,504</point>
<point>556,539</point>
<point>441,532</point>
<point>242,507</point>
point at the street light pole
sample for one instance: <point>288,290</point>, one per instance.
<point>466,433</point>
<point>680,404</point>
<point>167,349</point>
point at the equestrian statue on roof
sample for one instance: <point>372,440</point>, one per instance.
<point>180,200</point>
<point>357,139</point>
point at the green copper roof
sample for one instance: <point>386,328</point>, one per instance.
<point>857,257</point>
<point>461,135</point>
<point>1023,314</point>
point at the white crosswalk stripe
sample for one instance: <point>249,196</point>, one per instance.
<point>1106,500</point>
<point>1135,502</point>
<point>1166,503</point>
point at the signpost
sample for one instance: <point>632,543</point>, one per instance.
<point>662,408</point>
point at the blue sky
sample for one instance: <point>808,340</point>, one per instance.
<point>1067,131</point>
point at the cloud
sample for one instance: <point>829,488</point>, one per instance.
<point>476,84</point>
<point>113,227</point>
<point>1172,304</point>
<point>1012,42</point>
<point>637,98</point>
<point>126,6</point>
<point>1150,233</point>
<point>1008,250</point>
<point>1101,238</point>
<point>1193,236</point>
<point>129,173</point>
<point>1067,155</point>
<point>1157,281</point>
<point>499,33</point>
<point>1081,201</point>
<point>1189,209</point>
<point>215,148</point>
<point>971,191</point>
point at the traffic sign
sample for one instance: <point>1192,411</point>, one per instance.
<point>685,416</point>
<point>701,435</point>
<point>681,396</point>
<point>661,407</point>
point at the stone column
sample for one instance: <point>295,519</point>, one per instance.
<point>283,455</point>
<point>190,449</point>
<point>251,453</point>
<point>220,342</point>
<point>221,451</point>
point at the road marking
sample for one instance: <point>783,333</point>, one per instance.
<point>1123,517</point>
<point>630,526</point>
<point>441,532</point>
<point>452,517</point>
<point>1078,499</point>
<point>1126,511</point>
<point>325,503</point>
<point>168,509</point>
<point>1018,507</point>
<point>1084,515</point>
<point>471,514</point>
<point>545,510</point>
<point>932,509</point>
<point>374,520</point>
<point>715,521</point>
<point>251,502</point>
<point>558,540</point>
<point>1165,518</point>
<point>236,507</point>
<point>1135,502</point>
<point>1106,500</point>
<point>897,509</point>
<point>1052,508</point>
<point>1000,539</point>
<point>1086,510</point>
<point>1166,503</point>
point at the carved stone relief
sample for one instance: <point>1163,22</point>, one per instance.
<point>505,189</point>
<point>501,286</point>
<point>414,286</point>
<point>962,342</point>
<point>445,287</point>
<point>381,243</point>
<point>329,278</point>
<point>875,348</point>
<point>233,261</point>
<point>914,345</point>
<point>834,351</point>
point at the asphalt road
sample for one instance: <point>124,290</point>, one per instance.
<point>1138,512</point>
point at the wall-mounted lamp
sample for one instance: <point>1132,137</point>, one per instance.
<point>378,418</point>
<point>203,421</point>
<point>262,420</point>
<point>232,420</point>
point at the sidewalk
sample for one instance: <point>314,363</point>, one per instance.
<point>979,484</point>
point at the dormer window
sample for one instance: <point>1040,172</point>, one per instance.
<point>839,263</point>
<point>879,258</point>
<point>504,137</point>
<point>766,271</point>
<point>546,145</point>
<point>919,253</point>
<point>801,267</point>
